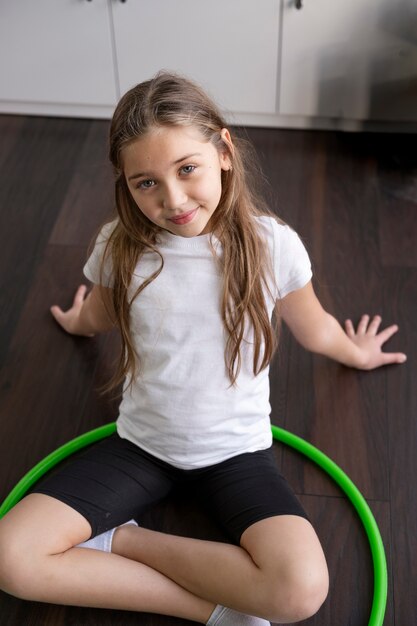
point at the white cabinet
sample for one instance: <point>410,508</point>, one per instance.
<point>75,57</point>
<point>56,52</point>
<point>332,63</point>
<point>229,46</point>
<point>354,59</point>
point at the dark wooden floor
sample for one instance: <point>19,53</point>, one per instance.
<point>352,197</point>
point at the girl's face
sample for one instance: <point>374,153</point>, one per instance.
<point>174,176</point>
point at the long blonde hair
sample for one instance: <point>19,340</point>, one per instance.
<point>171,100</point>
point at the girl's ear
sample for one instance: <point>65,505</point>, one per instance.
<point>225,156</point>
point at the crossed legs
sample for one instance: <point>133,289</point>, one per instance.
<point>278,572</point>
<point>38,562</point>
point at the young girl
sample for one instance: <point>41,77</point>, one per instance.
<point>190,272</point>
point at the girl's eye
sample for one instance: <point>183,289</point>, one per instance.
<point>146,184</point>
<point>188,169</point>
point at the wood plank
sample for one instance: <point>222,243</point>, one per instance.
<point>34,178</point>
<point>10,128</point>
<point>397,165</point>
<point>398,231</point>
<point>285,159</point>
<point>401,293</point>
<point>89,198</point>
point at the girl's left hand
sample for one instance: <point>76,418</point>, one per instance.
<point>370,342</point>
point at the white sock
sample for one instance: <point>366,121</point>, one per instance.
<point>103,542</point>
<point>222,616</point>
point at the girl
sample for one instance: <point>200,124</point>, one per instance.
<point>190,272</point>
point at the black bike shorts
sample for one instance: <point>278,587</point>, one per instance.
<point>114,481</point>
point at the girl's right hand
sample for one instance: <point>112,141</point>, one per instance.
<point>70,320</point>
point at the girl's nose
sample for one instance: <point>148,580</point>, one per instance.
<point>173,196</point>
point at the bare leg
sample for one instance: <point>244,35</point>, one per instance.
<point>279,572</point>
<point>38,562</point>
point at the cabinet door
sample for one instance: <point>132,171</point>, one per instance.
<point>56,52</point>
<point>353,59</point>
<point>229,46</point>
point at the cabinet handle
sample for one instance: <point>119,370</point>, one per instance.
<point>298,4</point>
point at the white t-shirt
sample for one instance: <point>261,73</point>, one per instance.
<point>182,408</point>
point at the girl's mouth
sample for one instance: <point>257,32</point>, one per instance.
<point>184,218</point>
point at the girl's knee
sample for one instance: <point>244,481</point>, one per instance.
<point>34,530</point>
<point>299,592</point>
<point>295,578</point>
<point>308,588</point>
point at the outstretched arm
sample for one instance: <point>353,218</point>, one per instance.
<point>320,332</point>
<point>89,314</point>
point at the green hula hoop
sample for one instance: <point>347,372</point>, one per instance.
<point>307,449</point>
